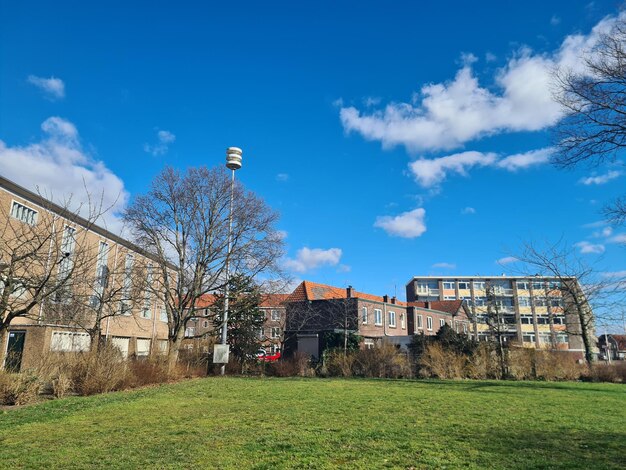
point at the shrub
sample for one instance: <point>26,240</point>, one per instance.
<point>437,361</point>
<point>603,372</point>
<point>297,365</point>
<point>151,370</point>
<point>18,389</point>
<point>382,361</point>
<point>338,363</point>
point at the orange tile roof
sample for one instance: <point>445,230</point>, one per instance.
<point>308,290</point>
<point>273,300</point>
<point>206,300</point>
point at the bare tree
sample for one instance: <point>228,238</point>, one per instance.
<point>183,222</point>
<point>593,97</point>
<point>44,256</point>
<point>496,320</point>
<point>584,292</point>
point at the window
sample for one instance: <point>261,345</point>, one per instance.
<point>261,333</point>
<point>275,315</point>
<point>449,297</point>
<point>523,301</point>
<point>555,285</point>
<point>422,288</point>
<point>526,319</point>
<point>275,332</point>
<point>69,341</point>
<point>163,314</point>
<point>392,319</point>
<point>465,328</point>
<point>275,348</point>
<point>66,264</point>
<point>543,320</point>
<point>479,301</point>
<point>206,312</point>
<point>378,317</point>
<point>558,319</point>
<point>205,324</point>
<point>190,332</point>
<point>540,302</point>
<point>442,322</point>
<point>102,274</point>
<point>429,323</point>
<point>127,287</point>
<point>402,321</point>
<point>143,347</point>
<point>449,284</point>
<point>145,311</point>
<point>162,344</point>
<point>528,337</point>
<point>23,213</point>
<point>562,338</point>
<point>479,285</point>
<point>537,285</point>
<point>364,315</point>
<point>522,285</point>
<point>420,321</point>
<point>464,285</point>
<point>556,302</point>
<point>368,343</point>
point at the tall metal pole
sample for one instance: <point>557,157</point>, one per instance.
<point>233,162</point>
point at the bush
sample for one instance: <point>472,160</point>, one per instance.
<point>382,361</point>
<point>436,361</point>
<point>18,389</point>
<point>297,365</point>
<point>603,372</point>
<point>338,363</point>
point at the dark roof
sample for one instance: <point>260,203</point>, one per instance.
<point>451,307</point>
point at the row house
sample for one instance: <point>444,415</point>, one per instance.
<point>105,276</point>
<point>315,309</point>
<point>200,330</point>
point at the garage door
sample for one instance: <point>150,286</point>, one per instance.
<point>121,343</point>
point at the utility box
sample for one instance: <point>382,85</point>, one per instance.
<point>220,353</point>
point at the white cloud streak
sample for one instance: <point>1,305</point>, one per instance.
<point>444,265</point>
<point>409,224</point>
<point>590,248</point>
<point>58,168</point>
<point>468,210</point>
<point>308,259</point>
<point>507,260</point>
<point>53,88</point>
<point>601,179</point>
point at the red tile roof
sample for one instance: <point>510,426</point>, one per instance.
<point>448,306</point>
<point>308,290</point>
<point>273,300</point>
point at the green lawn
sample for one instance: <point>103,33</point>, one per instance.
<point>317,423</point>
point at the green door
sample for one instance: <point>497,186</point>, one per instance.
<point>15,349</point>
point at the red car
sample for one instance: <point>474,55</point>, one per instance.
<point>262,356</point>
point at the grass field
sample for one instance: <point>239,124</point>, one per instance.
<point>317,423</point>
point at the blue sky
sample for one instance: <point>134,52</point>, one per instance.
<point>395,138</point>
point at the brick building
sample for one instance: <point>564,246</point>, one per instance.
<point>315,309</point>
<point>107,261</point>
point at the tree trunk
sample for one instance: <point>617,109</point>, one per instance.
<point>3,345</point>
<point>174,348</point>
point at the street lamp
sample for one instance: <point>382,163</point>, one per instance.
<point>233,163</point>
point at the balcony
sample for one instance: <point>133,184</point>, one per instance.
<point>502,291</point>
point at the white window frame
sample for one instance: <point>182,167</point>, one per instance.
<point>429,323</point>
<point>444,283</point>
<point>364,315</point>
<point>378,317</point>
<point>480,285</point>
<point>442,322</point>
<point>23,213</point>
<point>275,332</point>
<point>420,322</point>
<point>402,321</point>
<point>275,315</point>
<point>392,319</point>
<point>467,283</point>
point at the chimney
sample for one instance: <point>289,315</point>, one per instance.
<point>386,298</point>
<point>393,300</point>
<point>349,292</point>
<point>428,305</point>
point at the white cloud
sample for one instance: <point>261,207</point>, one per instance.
<point>406,225</point>
<point>524,160</point>
<point>604,233</point>
<point>444,116</point>
<point>344,268</point>
<point>307,259</point>
<point>431,172</point>
<point>54,88</point>
<point>468,210</point>
<point>444,265</point>
<point>164,139</point>
<point>555,20</point>
<point>282,177</point>
<point>620,238</point>
<point>58,167</point>
<point>601,179</point>
<point>587,247</point>
<point>613,274</point>
<point>507,260</point>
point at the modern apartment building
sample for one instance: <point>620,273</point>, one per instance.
<point>533,311</point>
<point>40,238</point>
